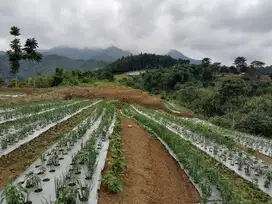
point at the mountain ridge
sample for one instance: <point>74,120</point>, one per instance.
<point>48,65</point>
<point>178,55</point>
<point>82,59</point>
<point>108,54</point>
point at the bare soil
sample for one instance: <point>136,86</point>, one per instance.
<point>106,92</point>
<point>152,175</point>
<point>23,90</point>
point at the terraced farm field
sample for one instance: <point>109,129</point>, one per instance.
<point>112,145</point>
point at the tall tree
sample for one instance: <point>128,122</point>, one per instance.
<point>240,63</point>
<point>2,80</point>
<point>233,70</point>
<point>58,76</point>
<point>206,62</point>
<point>207,75</point>
<point>257,64</point>
<point>31,54</point>
<point>15,53</point>
<point>224,69</point>
<point>216,67</point>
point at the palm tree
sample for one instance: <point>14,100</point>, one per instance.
<point>14,30</point>
<point>31,54</point>
<point>15,54</point>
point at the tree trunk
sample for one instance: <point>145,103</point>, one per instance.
<point>34,82</point>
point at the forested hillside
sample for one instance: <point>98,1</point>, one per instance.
<point>140,62</point>
<point>243,103</point>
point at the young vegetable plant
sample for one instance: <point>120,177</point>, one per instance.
<point>114,185</point>
<point>33,180</point>
<point>14,194</point>
<point>84,191</point>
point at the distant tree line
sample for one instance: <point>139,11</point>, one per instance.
<point>140,62</point>
<point>152,61</point>
<point>243,103</point>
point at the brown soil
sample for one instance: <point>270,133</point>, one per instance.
<point>18,160</point>
<point>23,90</point>
<point>107,92</point>
<point>152,175</point>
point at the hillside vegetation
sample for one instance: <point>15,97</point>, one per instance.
<point>240,103</point>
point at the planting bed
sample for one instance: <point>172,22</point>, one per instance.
<point>234,161</point>
<point>15,133</point>
<point>62,151</point>
<point>72,164</point>
<point>152,176</point>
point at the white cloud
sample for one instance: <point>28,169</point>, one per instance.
<point>219,29</point>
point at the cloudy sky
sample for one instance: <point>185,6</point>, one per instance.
<point>219,29</point>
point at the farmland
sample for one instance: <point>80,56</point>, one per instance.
<point>116,145</point>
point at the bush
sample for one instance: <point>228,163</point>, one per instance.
<point>256,122</point>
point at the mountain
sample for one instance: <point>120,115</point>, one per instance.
<point>109,54</point>
<point>178,55</point>
<point>48,65</point>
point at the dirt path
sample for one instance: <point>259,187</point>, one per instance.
<point>152,176</point>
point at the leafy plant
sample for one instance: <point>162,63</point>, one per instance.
<point>33,180</point>
<point>84,191</point>
<point>13,194</point>
<point>67,195</point>
<point>113,184</point>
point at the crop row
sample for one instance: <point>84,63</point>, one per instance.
<point>116,163</point>
<point>66,171</point>
<point>28,109</point>
<point>12,125</point>
<point>37,124</point>
<point>242,163</point>
<point>201,166</point>
<point>254,142</point>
